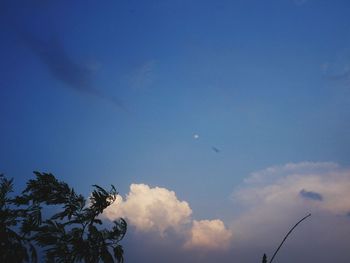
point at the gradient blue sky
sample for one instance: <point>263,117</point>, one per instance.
<point>112,92</point>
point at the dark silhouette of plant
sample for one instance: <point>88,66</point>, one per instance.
<point>264,260</point>
<point>72,235</point>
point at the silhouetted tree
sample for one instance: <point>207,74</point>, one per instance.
<point>71,235</point>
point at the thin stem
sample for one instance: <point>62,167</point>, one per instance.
<point>290,231</point>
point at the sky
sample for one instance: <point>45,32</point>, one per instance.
<point>221,123</point>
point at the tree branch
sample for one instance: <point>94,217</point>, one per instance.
<point>290,231</point>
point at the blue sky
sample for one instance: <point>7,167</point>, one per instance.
<point>113,93</point>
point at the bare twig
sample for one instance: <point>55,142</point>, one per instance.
<point>290,231</point>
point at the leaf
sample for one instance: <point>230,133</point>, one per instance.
<point>106,256</point>
<point>119,229</point>
<point>34,256</point>
<point>100,189</point>
<point>97,221</point>
<point>118,253</point>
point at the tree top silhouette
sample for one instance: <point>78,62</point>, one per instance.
<point>74,234</point>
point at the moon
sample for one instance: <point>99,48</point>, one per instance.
<point>196,136</point>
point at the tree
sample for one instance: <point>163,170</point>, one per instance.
<point>72,235</point>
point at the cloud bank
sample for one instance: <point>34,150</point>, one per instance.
<point>298,185</point>
<point>273,199</point>
<point>264,207</point>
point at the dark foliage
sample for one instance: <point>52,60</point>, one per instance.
<point>71,235</point>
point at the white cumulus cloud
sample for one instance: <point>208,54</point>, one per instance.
<point>277,196</point>
<point>283,185</point>
<point>151,209</point>
<point>209,234</point>
<point>158,210</point>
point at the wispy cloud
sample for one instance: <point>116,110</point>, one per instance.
<point>52,53</point>
<point>342,75</point>
<point>338,69</point>
<point>311,195</point>
<point>143,76</point>
<point>273,173</point>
